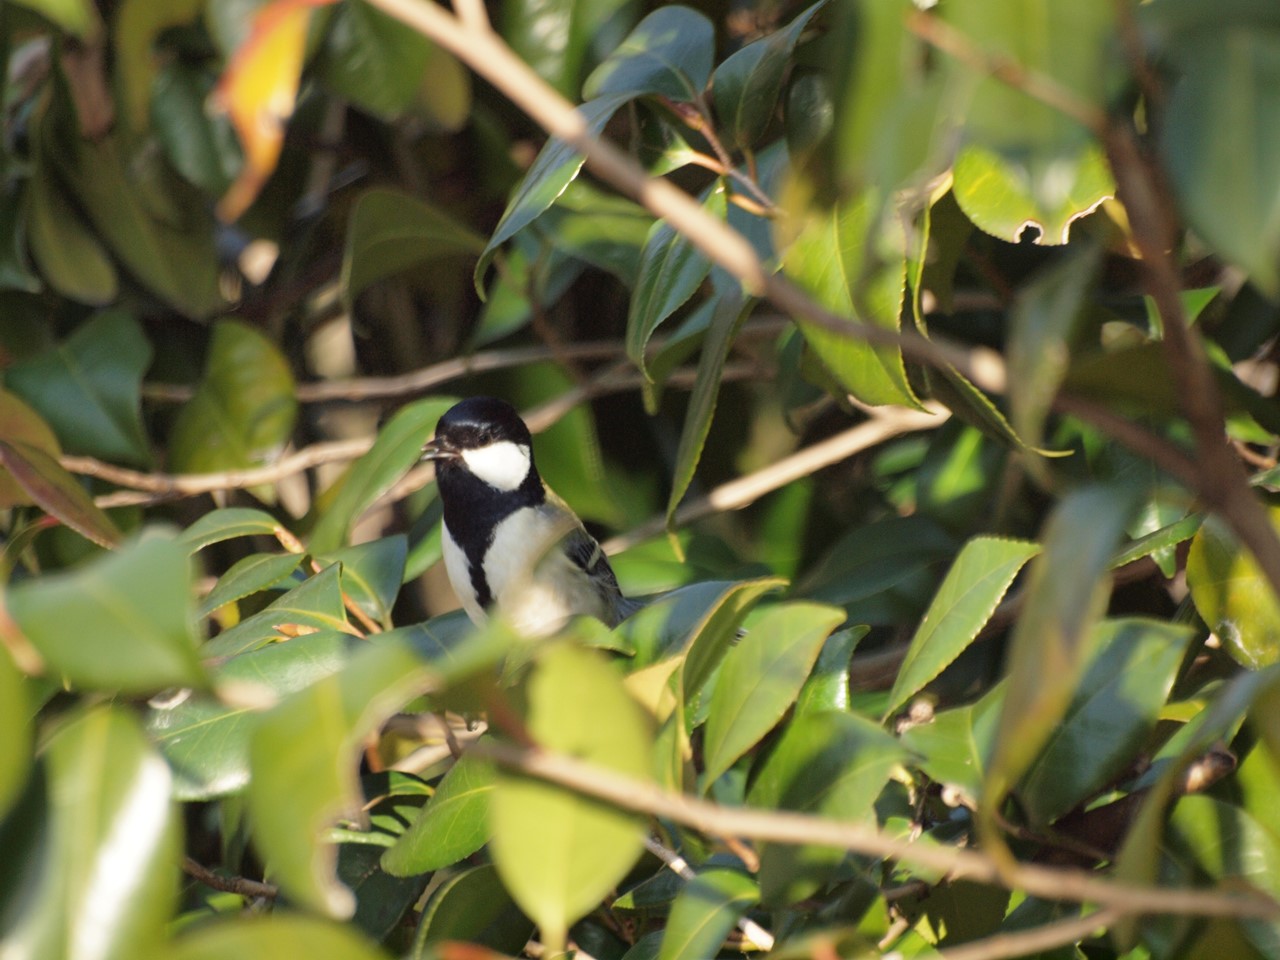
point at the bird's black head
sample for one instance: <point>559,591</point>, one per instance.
<point>484,460</point>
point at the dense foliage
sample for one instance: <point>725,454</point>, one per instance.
<point>935,409</point>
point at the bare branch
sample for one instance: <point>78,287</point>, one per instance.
<point>241,885</point>
<point>1024,943</point>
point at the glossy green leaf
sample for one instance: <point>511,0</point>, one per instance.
<point>316,603</point>
<point>1066,593</point>
<point>65,251</point>
<point>382,901</point>
<point>704,913</point>
<point>201,146</point>
<point>1227,842</point>
<point>57,492</point>
<point>206,741</point>
<point>1162,524</point>
<point>559,853</point>
<point>605,231</point>
<point>956,746</point>
<point>398,447</point>
<point>996,195</point>
<point>137,25</point>
<point>883,572</point>
<point>227,524</point>
<point>977,581</point>
<point>726,321</point>
<point>1222,146</point>
<point>835,255</point>
<point>273,937</point>
<point>1045,320</point>
<point>17,744</point>
<point>107,884</point>
<point>472,906</point>
<point>1233,596</point>
<point>828,685</point>
<point>554,169</point>
<point>20,424</point>
<point>372,59</point>
<point>455,824</point>
<point>122,622</point>
<point>247,576</point>
<point>89,388</point>
<point>243,410</point>
<point>671,270</point>
<point>75,16</point>
<point>1114,710</point>
<point>828,763</point>
<point>745,86</point>
<point>391,231</point>
<point>302,758</point>
<point>668,54</point>
<point>372,574</point>
<point>761,678</point>
<point>560,39</point>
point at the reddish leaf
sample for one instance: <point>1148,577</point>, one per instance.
<point>57,492</point>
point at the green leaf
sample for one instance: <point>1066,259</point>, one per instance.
<point>1046,319</point>
<point>1221,145</point>
<point>75,16</point>
<point>247,576</point>
<point>137,25</point>
<point>20,424</point>
<point>206,742</point>
<point>955,748</point>
<point>671,270</point>
<point>243,410</point>
<point>554,169</point>
<point>761,678</point>
<point>273,937</point>
<point>668,54</point>
<point>1233,596</point>
<point>1004,200</point>
<point>745,86</point>
<point>391,231</point>
<point>704,913</point>
<point>726,321</point>
<point>1066,593</point>
<point>1114,709</point>
<point>605,231</point>
<point>455,824</point>
<point>18,742</point>
<point>106,883</point>
<point>828,685</point>
<point>472,906</point>
<point>315,603</point>
<point>57,492</point>
<point>228,523</point>
<point>89,388</point>
<point>1227,842</point>
<point>373,60</point>
<point>15,272</point>
<point>834,256</point>
<point>975,584</point>
<point>559,39</point>
<point>828,763</point>
<point>302,757</point>
<point>201,146</point>
<point>382,901</point>
<point>372,574</point>
<point>65,251</point>
<point>398,447</point>
<point>121,622</point>
<point>559,853</point>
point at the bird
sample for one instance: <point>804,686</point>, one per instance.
<point>510,543</point>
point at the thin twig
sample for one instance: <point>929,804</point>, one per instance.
<point>1054,883</point>
<point>885,423</point>
<point>241,885</point>
<point>1024,943</point>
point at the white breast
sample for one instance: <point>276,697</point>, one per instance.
<point>535,586</point>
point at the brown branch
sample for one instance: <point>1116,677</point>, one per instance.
<point>241,885</point>
<point>1024,943</point>
<point>1053,883</point>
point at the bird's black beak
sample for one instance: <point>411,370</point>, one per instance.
<point>438,448</point>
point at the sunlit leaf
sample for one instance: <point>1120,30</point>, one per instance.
<point>18,742</point>
<point>57,492</point>
<point>704,912</point>
<point>761,678</point>
<point>559,853</point>
<point>122,622</point>
<point>315,604</point>
<point>74,16</point>
<point>273,937</point>
<point>1233,595</point>
<point>247,576</point>
<point>137,25</point>
<point>228,523</point>
<point>562,38</point>
<point>453,825</point>
<point>975,584</point>
<point>372,573</point>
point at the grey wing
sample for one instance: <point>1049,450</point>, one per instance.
<point>585,552</point>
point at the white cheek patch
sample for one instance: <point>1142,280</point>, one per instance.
<point>502,465</point>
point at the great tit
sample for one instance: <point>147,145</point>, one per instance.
<point>510,543</point>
